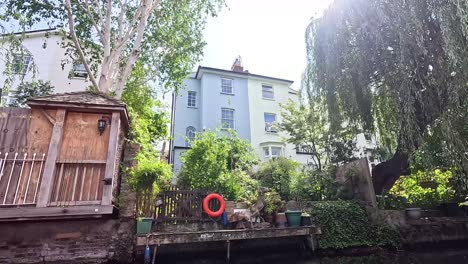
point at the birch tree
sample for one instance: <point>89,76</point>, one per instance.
<point>109,36</point>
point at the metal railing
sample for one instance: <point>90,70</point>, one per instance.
<point>20,177</point>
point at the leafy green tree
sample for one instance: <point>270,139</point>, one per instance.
<point>109,36</point>
<point>309,129</point>
<point>149,117</point>
<point>276,174</point>
<point>397,67</point>
<point>26,90</point>
<point>219,162</point>
<point>306,128</point>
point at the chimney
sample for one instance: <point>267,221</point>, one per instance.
<point>237,65</point>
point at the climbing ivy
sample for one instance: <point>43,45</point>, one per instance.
<point>345,224</point>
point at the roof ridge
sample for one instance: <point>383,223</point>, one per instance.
<point>56,96</point>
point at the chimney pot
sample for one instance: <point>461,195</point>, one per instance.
<point>237,65</point>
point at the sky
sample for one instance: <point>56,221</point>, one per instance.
<point>267,34</point>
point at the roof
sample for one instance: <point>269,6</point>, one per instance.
<point>244,73</point>
<point>29,32</point>
<point>82,101</point>
<point>83,97</point>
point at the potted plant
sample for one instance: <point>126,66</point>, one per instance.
<point>306,219</point>
<point>275,208</point>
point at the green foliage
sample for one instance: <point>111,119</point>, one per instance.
<point>274,204</point>
<point>27,90</point>
<point>397,67</point>
<point>391,202</point>
<point>150,176</point>
<point>167,38</point>
<point>425,189</point>
<point>219,162</point>
<point>355,231</point>
<point>276,174</point>
<point>312,185</point>
<point>149,118</point>
<point>308,128</point>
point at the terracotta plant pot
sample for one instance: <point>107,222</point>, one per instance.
<point>281,220</point>
<point>413,213</point>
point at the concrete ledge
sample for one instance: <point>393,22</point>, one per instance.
<point>37,213</point>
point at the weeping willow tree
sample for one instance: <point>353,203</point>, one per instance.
<point>396,67</point>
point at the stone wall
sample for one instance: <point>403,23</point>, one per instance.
<point>78,240</point>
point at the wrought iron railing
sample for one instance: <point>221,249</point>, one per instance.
<point>20,177</point>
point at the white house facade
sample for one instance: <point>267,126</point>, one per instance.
<point>44,50</point>
<point>248,103</point>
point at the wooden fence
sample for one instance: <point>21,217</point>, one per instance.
<point>20,176</point>
<point>175,205</point>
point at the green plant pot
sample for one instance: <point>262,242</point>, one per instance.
<point>144,225</point>
<point>294,218</point>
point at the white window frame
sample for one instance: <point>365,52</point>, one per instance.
<point>21,60</point>
<point>79,73</point>
<point>226,120</point>
<point>194,100</point>
<point>268,153</point>
<point>223,86</point>
<point>272,91</point>
<point>270,127</point>
<point>190,132</point>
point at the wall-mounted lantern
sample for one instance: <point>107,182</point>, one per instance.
<point>102,123</point>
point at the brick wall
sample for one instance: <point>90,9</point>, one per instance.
<point>75,241</point>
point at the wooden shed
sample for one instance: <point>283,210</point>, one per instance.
<point>60,158</point>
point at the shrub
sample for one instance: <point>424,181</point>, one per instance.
<point>276,174</point>
<point>218,162</point>
<point>274,204</point>
<point>150,176</point>
<point>391,202</point>
<point>412,188</point>
<point>345,224</point>
<point>312,185</point>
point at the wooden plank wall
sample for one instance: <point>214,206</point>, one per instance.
<point>14,126</point>
<point>81,139</point>
<point>23,131</point>
<point>81,161</point>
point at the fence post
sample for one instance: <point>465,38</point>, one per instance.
<point>111,159</point>
<point>52,154</point>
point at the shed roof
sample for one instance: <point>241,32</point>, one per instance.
<point>82,101</point>
<point>83,97</point>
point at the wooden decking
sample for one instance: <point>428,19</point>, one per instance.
<point>225,235</point>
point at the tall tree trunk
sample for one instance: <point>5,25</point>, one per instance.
<point>385,174</point>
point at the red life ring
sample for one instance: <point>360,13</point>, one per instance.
<point>207,200</point>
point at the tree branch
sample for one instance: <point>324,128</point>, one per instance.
<point>71,25</point>
<point>147,9</point>
<point>93,21</point>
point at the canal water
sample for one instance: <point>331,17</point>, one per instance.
<point>431,255</point>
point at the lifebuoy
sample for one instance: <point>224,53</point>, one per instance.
<point>207,200</point>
